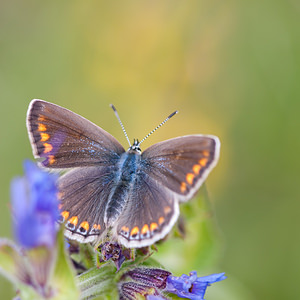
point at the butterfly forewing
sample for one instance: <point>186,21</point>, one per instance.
<point>182,164</point>
<point>64,139</point>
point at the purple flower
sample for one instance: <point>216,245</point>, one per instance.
<point>146,285</point>
<point>154,297</point>
<point>153,283</point>
<point>151,277</point>
<point>35,207</point>
<point>114,252</point>
<point>134,291</point>
<point>191,287</point>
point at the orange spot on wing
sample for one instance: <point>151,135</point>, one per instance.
<point>145,229</point>
<point>161,220</point>
<point>51,159</point>
<point>85,225</point>
<point>41,118</point>
<point>134,231</point>
<point>183,187</point>
<point>153,226</point>
<point>97,226</point>
<point>196,169</point>
<point>190,178</point>
<point>74,220</point>
<point>65,214</point>
<point>48,148</point>
<point>42,127</point>
<point>205,153</point>
<point>203,162</point>
<point>44,137</point>
<point>125,229</point>
<point>167,209</point>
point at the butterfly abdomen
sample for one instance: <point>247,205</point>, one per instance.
<point>123,181</point>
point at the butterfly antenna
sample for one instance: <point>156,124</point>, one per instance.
<point>122,126</point>
<point>161,124</point>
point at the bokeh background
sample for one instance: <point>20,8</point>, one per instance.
<point>231,68</point>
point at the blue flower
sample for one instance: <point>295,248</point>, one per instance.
<point>191,287</point>
<point>154,283</point>
<point>35,207</point>
<point>154,297</point>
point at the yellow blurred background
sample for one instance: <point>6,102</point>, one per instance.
<point>231,68</point>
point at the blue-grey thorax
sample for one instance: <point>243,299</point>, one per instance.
<point>123,183</point>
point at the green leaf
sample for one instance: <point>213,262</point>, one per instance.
<point>40,262</point>
<point>26,292</point>
<point>63,281</point>
<point>10,260</point>
<point>99,283</point>
<point>14,267</point>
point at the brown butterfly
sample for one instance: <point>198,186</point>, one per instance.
<point>134,195</point>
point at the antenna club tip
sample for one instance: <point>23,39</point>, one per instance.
<point>112,106</point>
<point>172,114</point>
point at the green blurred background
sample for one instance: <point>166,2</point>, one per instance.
<point>230,67</point>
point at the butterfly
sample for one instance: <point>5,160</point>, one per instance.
<point>132,195</point>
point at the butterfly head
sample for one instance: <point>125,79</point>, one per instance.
<point>135,147</point>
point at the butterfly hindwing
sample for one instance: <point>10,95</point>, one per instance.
<point>182,164</point>
<point>64,139</point>
<point>149,215</point>
<point>83,194</point>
